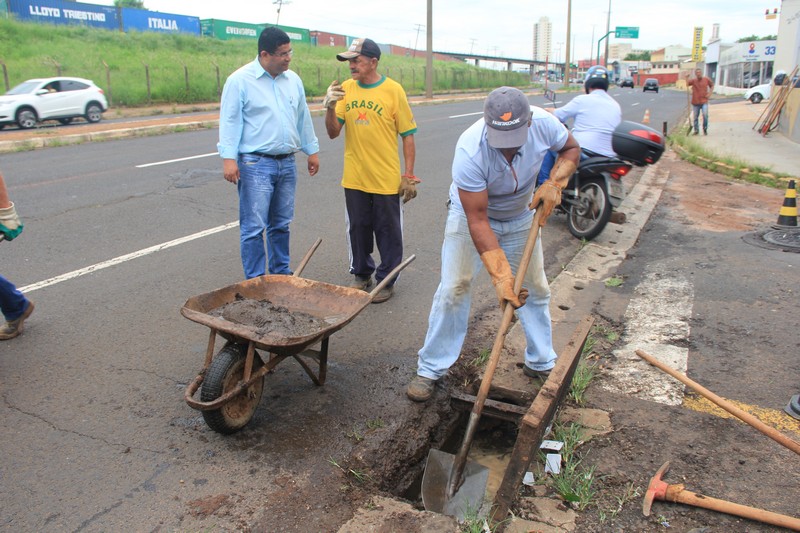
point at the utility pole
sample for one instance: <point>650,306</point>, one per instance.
<point>419,27</point>
<point>566,53</point>
<point>608,30</point>
<point>591,44</point>
<point>280,3</point>
<point>429,53</point>
<point>472,45</point>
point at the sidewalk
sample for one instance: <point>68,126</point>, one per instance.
<point>732,134</point>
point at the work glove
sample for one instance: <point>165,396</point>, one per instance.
<point>333,95</point>
<point>408,187</point>
<point>503,280</point>
<point>549,193</point>
<point>10,224</point>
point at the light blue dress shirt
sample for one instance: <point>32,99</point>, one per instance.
<point>259,113</point>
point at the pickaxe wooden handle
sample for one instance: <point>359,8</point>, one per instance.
<point>661,490</point>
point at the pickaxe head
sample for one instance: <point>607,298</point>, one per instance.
<point>657,490</point>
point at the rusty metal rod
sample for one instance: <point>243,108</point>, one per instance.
<point>769,431</point>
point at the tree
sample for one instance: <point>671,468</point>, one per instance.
<point>756,38</point>
<point>644,56</point>
<point>138,4</point>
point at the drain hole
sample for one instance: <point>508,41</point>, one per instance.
<point>564,307</point>
<point>578,287</point>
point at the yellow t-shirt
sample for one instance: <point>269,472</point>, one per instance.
<point>373,116</point>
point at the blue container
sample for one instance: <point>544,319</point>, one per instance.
<point>58,12</point>
<point>143,20</point>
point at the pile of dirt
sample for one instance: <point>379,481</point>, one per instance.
<point>268,318</point>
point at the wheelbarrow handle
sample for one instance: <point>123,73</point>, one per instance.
<point>306,258</point>
<point>393,274</point>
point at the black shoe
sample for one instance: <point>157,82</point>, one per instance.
<point>705,132</point>
<point>695,133</point>
<point>531,373</point>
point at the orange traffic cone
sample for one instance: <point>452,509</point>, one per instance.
<point>788,214</point>
<point>646,119</point>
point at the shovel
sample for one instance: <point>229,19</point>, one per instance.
<point>452,485</point>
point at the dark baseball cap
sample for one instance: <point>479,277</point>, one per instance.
<point>360,47</point>
<point>507,113</point>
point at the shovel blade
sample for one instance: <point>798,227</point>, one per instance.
<point>467,499</point>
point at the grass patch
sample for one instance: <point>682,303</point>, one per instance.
<point>691,151</point>
<point>614,281</point>
<point>483,357</point>
<point>574,483</point>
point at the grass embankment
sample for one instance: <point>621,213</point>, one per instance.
<point>138,69</point>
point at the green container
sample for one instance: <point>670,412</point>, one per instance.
<point>297,34</point>
<point>227,30</point>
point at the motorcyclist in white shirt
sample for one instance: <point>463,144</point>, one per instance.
<point>595,115</point>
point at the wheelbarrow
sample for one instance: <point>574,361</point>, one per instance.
<point>232,381</point>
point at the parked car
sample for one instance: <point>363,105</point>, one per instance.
<point>626,82</point>
<point>758,93</point>
<point>650,84</point>
<point>62,99</point>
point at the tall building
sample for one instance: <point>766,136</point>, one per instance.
<point>543,40</point>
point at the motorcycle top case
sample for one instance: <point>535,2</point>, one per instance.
<point>637,143</point>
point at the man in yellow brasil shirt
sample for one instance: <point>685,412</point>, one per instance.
<point>374,110</point>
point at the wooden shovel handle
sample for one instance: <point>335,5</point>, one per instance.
<point>770,432</point>
<point>676,493</point>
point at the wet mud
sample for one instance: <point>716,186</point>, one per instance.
<point>268,318</point>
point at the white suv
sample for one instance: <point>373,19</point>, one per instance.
<point>61,99</point>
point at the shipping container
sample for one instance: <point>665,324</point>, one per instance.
<point>58,12</point>
<point>227,30</point>
<point>323,38</point>
<point>295,34</point>
<point>143,20</point>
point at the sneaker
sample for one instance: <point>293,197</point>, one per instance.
<point>531,373</point>
<point>13,328</point>
<point>695,133</point>
<point>383,295</point>
<point>361,282</point>
<point>420,389</point>
<point>705,132</point>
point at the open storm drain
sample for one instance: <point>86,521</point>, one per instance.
<point>787,240</point>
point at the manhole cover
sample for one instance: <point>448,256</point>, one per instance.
<point>787,240</point>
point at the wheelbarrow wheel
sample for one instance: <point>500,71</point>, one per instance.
<point>225,372</point>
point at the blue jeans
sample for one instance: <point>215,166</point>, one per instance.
<point>266,204</point>
<point>12,302</point>
<point>696,110</point>
<point>447,323</point>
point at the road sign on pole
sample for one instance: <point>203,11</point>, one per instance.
<point>626,32</point>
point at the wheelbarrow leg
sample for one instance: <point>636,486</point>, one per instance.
<point>321,356</point>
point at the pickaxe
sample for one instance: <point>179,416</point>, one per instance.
<point>660,490</point>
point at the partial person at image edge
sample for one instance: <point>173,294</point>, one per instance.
<point>16,308</point>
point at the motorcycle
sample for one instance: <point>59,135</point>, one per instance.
<point>596,188</point>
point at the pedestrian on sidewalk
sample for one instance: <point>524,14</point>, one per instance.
<point>373,109</point>
<point>702,86</point>
<point>489,217</point>
<point>263,120</point>
<point>13,304</point>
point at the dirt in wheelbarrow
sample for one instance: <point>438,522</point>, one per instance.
<point>269,318</point>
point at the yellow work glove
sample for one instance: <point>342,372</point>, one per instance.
<point>408,187</point>
<point>333,95</point>
<point>10,224</point>
<point>549,193</point>
<point>503,280</point>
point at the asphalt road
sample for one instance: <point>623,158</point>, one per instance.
<point>96,433</point>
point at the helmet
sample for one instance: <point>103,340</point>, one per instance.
<point>596,78</point>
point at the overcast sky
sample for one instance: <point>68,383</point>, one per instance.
<point>496,27</point>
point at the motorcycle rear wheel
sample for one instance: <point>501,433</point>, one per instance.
<point>589,215</point>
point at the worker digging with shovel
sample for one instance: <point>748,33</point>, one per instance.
<point>490,213</point>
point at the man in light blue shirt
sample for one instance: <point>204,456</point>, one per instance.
<point>263,120</point>
<point>494,174</point>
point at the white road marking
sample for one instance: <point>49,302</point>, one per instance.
<point>176,160</point>
<point>635,103</point>
<point>466,115</point>
<point>127,257</point>
<point>657,321</point>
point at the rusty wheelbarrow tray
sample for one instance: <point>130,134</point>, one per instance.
<point>231,382</point>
